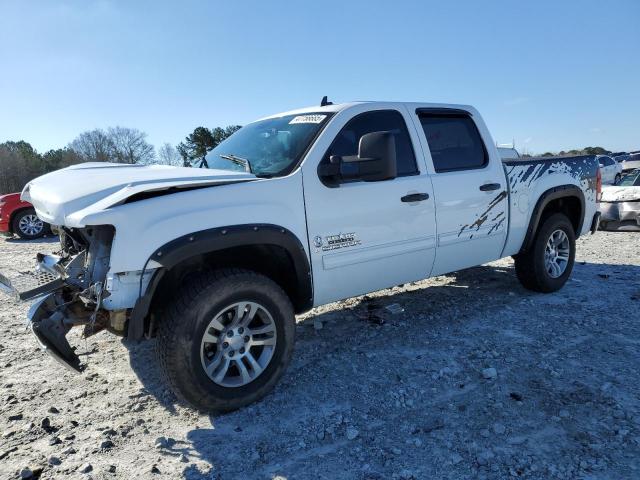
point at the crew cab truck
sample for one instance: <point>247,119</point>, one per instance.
<point>295,210</point>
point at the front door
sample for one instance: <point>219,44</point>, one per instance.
<point>470,190</point>
<point>366,236</point>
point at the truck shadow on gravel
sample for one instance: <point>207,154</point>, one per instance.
<point>43,240</point>
<point>365,383</point>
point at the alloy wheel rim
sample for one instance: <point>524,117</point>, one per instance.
<point>556,254</point>
<point>238,344</point>
<point>30,225</point>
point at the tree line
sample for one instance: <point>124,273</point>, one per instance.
<point>20,162</point>
<point>571,153</point>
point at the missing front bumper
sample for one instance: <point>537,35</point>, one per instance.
<point>47,278</point>
<point>28,286</point>
<point>63,299</point>
<point>48,324</point>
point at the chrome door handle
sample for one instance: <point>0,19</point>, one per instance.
<point>415,197</point>
<point>487,187</point>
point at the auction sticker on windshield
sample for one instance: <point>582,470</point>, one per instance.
<point>307,119</point>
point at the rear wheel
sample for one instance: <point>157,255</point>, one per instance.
<point>27,225</point>
<point>226,340</point>
<point>546,266</point>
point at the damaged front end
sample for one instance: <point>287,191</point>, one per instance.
<point>69,288</point>
<point>620,215</point>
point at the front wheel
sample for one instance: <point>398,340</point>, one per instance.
<point>546,266</point>
<point>226,339</point>
<point>617,179</point>
<point>27,225</point>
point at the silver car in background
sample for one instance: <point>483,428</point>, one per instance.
<point>620,204</point>
<point>631,163</point>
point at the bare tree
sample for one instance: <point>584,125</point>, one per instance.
<point>94,146</point>
<point>129,145</point>
<point>168,155</point>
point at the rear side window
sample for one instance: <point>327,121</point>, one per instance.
<point>454,142</point>
<point>347,141</point>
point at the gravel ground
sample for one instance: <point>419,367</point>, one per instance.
<point>477,378</point>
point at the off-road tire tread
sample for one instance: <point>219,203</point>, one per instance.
<point>167,332</point>
<point>530,270</point>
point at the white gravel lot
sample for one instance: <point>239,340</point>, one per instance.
<point>405,399</point>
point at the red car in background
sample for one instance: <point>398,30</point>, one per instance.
<point>20,218</point>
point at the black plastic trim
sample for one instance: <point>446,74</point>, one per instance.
<point>595,223</point>
<point>561,191</point>
<point>513,162</point>
<point>215,239</point>
<point>442,111</point>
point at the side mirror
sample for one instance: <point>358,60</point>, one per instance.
<point>376,160</point>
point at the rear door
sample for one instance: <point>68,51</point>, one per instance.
<point>365,236</point>
<point>608,169</point>
<point>469,187</point>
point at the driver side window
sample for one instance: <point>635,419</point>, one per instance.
<point>346,142</point>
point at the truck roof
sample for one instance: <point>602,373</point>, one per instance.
<point>334,108</point>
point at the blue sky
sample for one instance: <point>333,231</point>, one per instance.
<point>550,74</point>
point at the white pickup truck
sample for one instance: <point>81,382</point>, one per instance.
<point>296,210</point>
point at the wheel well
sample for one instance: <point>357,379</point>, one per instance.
<point>272,261</point>
<point>566,199</point>
<point>570,206</point>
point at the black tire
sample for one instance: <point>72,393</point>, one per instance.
<point>616,181</point>
<point>530,265</point>
<point>27,232</point>
<point>181,330</point>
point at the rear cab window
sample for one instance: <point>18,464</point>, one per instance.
<point>454,141</point>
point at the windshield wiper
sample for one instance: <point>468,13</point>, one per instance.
<point>243,162</point>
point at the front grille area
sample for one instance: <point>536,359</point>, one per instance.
<point>31,284</point>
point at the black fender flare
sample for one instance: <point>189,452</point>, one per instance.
<point>561,191</point>
<point>215,239</point>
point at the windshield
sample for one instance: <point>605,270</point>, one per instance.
<point>271,147</point>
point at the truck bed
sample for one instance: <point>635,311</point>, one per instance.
<point>529,177</point>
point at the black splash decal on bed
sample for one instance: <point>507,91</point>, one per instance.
<point>483,217</point>
<point>582,169</point>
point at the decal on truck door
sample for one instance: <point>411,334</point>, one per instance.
<point>334,242</point>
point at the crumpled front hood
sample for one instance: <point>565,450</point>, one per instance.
<point>59,194</point>
<point>620,194</point>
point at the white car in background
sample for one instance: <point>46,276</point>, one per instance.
<point>631,163</point>
<point>620,204</point>
<point>508,153</point>
<point>610,169</point>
